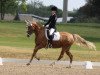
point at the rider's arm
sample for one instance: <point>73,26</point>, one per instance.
<point>49,20</point>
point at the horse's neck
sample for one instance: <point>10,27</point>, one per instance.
<point>39,32</point>
<point>39,36</point>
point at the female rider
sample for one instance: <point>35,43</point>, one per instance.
<point>51,24</point>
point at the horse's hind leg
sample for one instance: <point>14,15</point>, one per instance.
<point>70,56</point>
<point>60,56</point>
<point>37,57</point>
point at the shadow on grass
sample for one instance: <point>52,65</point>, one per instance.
<point>89,25</point>
<point>92,39</point>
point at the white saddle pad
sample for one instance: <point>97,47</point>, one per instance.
<point>56,35</point>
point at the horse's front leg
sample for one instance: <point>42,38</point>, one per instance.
<point>34,54</point>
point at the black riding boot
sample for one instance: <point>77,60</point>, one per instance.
<point>50,41</point>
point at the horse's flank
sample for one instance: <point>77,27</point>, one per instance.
<point>65,39</point>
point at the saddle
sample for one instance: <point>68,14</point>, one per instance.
<point>56,35</point>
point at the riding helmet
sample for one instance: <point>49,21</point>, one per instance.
<point>54,8</point>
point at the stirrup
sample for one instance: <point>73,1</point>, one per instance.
<point>46,47</point>
<point>49,45</point>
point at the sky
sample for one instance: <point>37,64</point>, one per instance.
<point>72,4</point>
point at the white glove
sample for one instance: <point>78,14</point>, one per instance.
<point>47,26</point>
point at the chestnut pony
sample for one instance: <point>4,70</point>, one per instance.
<point>65,42</point>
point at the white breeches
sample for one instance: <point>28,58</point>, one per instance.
<point>51,31</point>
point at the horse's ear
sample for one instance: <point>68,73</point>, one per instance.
<point>26,21</point>
<point>29,21</point>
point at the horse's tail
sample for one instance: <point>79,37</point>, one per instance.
<point>82,42</point>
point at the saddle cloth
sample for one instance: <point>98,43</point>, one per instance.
<point>56,35</point>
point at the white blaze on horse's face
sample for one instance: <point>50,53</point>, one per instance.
<point>29,28</point>
<point>28,23</point>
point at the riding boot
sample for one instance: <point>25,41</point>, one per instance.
<point>49,43</point>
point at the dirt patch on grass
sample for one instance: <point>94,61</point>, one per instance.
<point>50,54</point>
<point>14,52</point>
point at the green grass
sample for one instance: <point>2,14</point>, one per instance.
<point>89,31</point>
<point>14,35</point>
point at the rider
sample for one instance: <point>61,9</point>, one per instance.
<point>51,24</point>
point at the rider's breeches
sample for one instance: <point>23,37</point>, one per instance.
<point>52,30</point>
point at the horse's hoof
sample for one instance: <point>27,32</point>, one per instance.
<point>52,64</point>
<point>68,67</point>
<point>28,64</point>
<point>38,59</point>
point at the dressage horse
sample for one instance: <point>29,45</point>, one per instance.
<point>65,42</point>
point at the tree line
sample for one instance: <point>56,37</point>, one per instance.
<point>90,12</point>
<point>35,7</point>
<point>10,6</point>
<point>16,7</point>
<point>38,8</point>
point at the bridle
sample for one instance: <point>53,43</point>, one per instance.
<point>29,28</point>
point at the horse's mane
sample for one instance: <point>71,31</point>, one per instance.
<point>39,24</point>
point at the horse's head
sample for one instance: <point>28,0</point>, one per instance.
<point>31,27</point>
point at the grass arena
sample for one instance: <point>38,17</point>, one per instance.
<point>15,44</point>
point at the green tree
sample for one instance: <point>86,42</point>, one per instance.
<point>91,8</point>
<point>21,4</point>
<point>7,6</point>
<point>2,5</point>
<point>90,12</point>
<point>11,6</point>
<point>37,8</point>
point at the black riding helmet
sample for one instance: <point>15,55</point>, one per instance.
<point>54,8</point>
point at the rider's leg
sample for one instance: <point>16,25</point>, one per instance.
<point>52,30</point>
<point>51,37</point>
<point>48,43</point>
